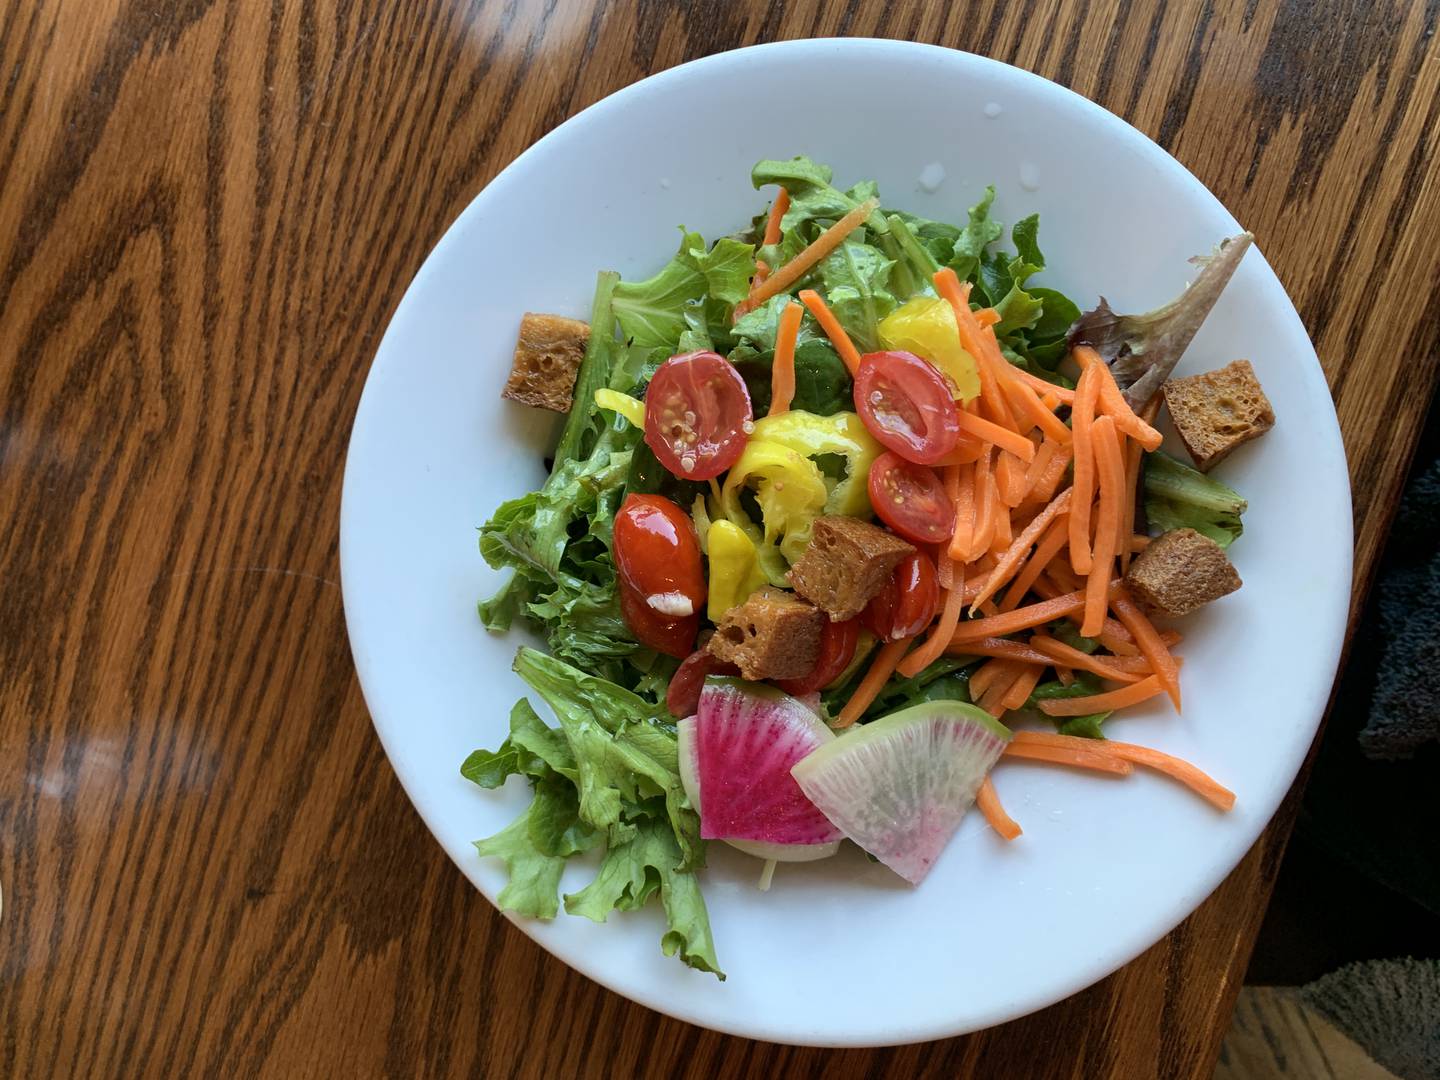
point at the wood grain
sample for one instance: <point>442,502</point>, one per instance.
<point>208,211</point>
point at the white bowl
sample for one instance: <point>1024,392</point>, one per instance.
<point>842,952</point>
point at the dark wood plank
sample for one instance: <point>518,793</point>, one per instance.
<point>208,211</point>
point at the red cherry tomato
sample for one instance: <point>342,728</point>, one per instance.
<point>696,410</point>
<point>907,406</point>
<point>682,697</point>
<point>662,584</point>
<point>907,603</point>
<point>671,636</point>
<point>911,500</point>
<point>837,649</point>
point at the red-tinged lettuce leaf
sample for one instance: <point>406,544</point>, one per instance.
<point>1142,350</point>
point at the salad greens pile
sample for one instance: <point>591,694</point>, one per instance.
<point>607,776</point>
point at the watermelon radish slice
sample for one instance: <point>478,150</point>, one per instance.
<point>899,786</point>
<point>690,780</point>
<point>747,739</point>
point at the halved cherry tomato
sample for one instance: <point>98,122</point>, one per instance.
<point>696,410</point>
<point>837,649</point>
<point>662,583</point>
<point>907,406</point>
<point>908,602</point>
<point>911,499</point>
<point>682,697</point>
<point>671,636</point>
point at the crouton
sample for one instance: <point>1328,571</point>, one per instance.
<point>772,635</point>
<point>547,359</point>
<point>1218,411</point>
<point>1180,571</point>
<point>848,562</point>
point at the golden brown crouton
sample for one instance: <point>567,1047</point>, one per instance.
<point>1179,572</point>
<point>772,635</point>
<point>848,561</point>
<point>547,358</point>
<point>1216,412</point>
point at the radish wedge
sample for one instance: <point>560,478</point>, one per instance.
<point>899,786</point>
<point>747,737</point>
<point>760,849</point>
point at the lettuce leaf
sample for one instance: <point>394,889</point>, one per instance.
<point>1142,350</point>
<point>608,774</point>
<point>1179,497</point>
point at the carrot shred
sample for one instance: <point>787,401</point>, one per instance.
<point>1110,479</point>
<point>1138,543</point>
<point>1048,482</point>
<point>1010,478</point>
<point>1024,618</point>
<point>1056,536</point>
<point>976,339</point>
<point>1119,644</point>
<point>988,803</point>
<point>964,499</point>
<point>1065,755</point>
<point>987,316</point>
<point>1057,651</point>
<point>782,368</point>
<point>1177,768</point>
<point>821,246</point>
<point>939,637</point>
<point>1043,388</point>
<point>1009,562</point>
<point>833,330</point>
<point>1004,531</point>
<point>1022,687</point>
<point>1003,648</point>
<point>993,699</point>
<point>1044,455</point>
<point>881,668</point>
<point>1082,418</point>
<point>1112,403</point>
<point>1062,576</point>
<point>1065,675</point>
<point>985,675</point>
<point>1003,437</point>
<point>1133,452</point>
<point>1027,403</point>
<point>985,501</point>
<point>1122,698</point>
<point>1148,639</point>
<point>967,449</point>
<point>777,213</point>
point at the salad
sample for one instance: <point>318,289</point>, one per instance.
<point>846,511</point>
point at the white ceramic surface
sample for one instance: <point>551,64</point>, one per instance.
<point>843,952</point>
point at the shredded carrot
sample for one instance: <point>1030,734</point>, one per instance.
<point>821,246</point>
<point>777,213</point>
<point>964,500</point>
<point>977,340</point>
<point>1082,418</point>
<point>833,330</point>
<point>762,271</point>
<point>1003,437</point>
<point>987,316</point>
<point>1058,652</point>
<point>1056,536</point>
<point>967,449</point>
<point>782,369</point>
<point>881,668</point>
<point>1138,543</point>
<point>1112,403</point>
<point>1010,478</point>
<point>1119,643</point>
<point>1004,523</point>
<point>1048,482</point>
<point>985,508</point>
<point>1133,452</point>
<point>1027,403</point>
<point>1122,698</point>
<point>1004,648</point>
<point>1150,643</point>
<point>1044,454</point>
<point>939,637</point>
<point>993,699</point>
<point>1009,562</point>
<point>1062,576</point>
<point>1066,676</point>
<point>1022,687</point>
<point>1064,755</point>
<point>1044,388</point>
<point>1114,636</point>
<point>1023,618</point>
<point>988,803</point>
<point>985,675</point>
<point>1110,479</point>
<point>1216,793</point>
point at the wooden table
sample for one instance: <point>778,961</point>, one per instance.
<point>208,211</point>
